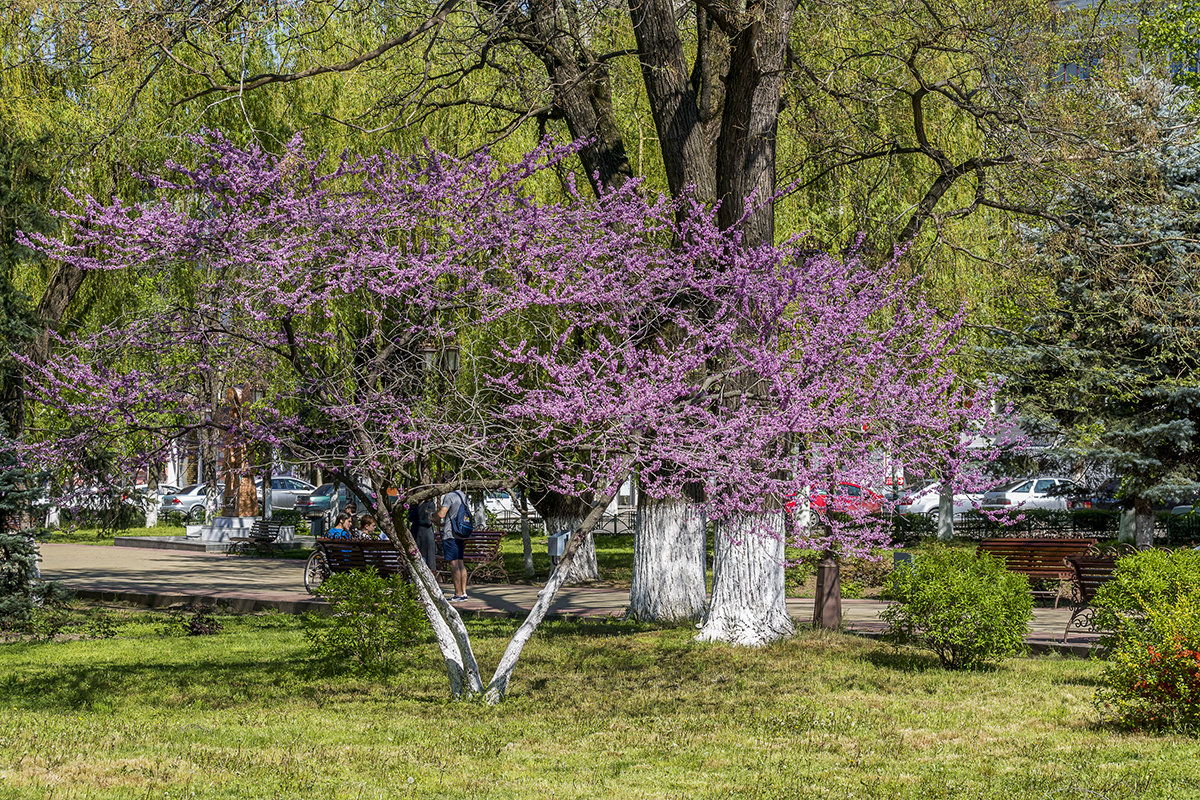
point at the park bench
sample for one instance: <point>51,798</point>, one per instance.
<point>344,555</point>
<point>1089,572</point>
<point>1038,559</point>
<point>481,556</point>
<point>262,536</point>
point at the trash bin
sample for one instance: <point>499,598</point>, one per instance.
<point>316,525</point>
<point>556,544</point>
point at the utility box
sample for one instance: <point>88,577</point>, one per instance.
<point>556,544</point>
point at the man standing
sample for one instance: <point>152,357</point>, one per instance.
<point>453,544</point>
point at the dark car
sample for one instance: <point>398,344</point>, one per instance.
<point>329,499</point>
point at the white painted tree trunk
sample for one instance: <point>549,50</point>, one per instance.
<point>498,686</point>
<point>1144,535</point>
<point>945,530</point>
<point>1127,527</point>
<point>668,561</point>
<point>583,568</point>
<point>748,601</point>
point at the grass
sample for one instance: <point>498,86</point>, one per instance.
<point>105,536</point>
<point>597,709</point>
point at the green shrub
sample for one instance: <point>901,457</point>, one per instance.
<point>1152,678</point>
<point>1145,580</point>
<point>287,516</point>
<point>24,598</point>
<point>964,607</point>
<point>373,620</point>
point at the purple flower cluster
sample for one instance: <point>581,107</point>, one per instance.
<point>595,337</point>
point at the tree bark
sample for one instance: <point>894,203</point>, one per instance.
<point>945,527</point>
<point>1144,523</point>
<point>748,601</point>
<point>563,513</point>
<point>746,151</point>
<point>668,561</point>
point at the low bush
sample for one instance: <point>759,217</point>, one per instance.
<point>966,608</point>
<point>26,601</point>
<point>1142,581</point>
<point>1151,680</point>
<point>288,516</point>
<point>374,619</point>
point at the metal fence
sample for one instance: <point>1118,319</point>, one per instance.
<point>1169,529</point>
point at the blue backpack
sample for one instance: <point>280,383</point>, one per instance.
<point>463,521</point>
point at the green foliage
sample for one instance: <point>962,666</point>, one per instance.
<point>965,608</point>
<point>288,516</point>
<point>1108,368</point>
<point>1152,678</point>
<point>1168,31</point>
<point>1143,581</point>
<point>373,620</point>
<point>26,601</point>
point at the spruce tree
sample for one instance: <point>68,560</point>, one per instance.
<point>1107,368</point>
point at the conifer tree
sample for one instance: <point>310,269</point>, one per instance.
<point>1107,369</point>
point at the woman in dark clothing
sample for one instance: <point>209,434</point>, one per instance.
<point>421,525</point>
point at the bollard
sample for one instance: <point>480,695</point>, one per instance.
<point>827,605</point>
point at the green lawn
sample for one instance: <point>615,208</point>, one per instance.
<point>597,710</point>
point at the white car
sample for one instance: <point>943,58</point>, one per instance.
<point>1038,492</point>
<point>926,498</point>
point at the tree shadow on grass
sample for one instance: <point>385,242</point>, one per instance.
<point>210,683</point>
<point>909,659</point>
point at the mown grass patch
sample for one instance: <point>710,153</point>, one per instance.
<point>597,709</point>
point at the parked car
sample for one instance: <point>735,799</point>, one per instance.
<point>286,492</point>
<point>926,499</point>
<point>190,501</point>
<point>327,499</point>
<point>847,497</point>
<point>1037,492</point>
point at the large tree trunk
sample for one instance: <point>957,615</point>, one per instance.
<point>748,601</point>
<point>668,561</point>
<point>945,526</point>
<point>747,149</point>
<point>1144,523</point>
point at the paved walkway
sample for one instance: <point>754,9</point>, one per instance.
<point>166,577</point>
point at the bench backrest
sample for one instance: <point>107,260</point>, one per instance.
<point>265,530</point>
<point>1091,572</point>
<point>1036,556</point>
<point>482,545</point>
<point>343,555</point>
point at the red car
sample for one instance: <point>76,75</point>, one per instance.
<point>847,497</point>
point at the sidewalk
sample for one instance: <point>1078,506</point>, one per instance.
<point>165,577</point>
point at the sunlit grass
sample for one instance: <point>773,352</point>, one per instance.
<point>597,710</point>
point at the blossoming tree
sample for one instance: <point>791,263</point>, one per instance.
<point>596,337</point>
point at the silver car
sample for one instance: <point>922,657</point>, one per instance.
<point>285,490</point>
<point>925,499</point>
<point>189,501</point>
<point>1039,492</point>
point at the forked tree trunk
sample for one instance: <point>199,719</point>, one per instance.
<point>748,601</point>
<point>508,662</point>
<point>668,561</point>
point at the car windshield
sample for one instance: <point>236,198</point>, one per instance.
<point>189,489</point>
<point>1008,487</point>
<point>324,490</point>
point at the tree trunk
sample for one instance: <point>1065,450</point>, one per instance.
<point>746,151</point>
<point>668,561</point>
<point>945,531</point>
<point>1127,527</point>
<point>1144,523</point>
<point>526,538</point>
<point>499,684</point>
<point>748,601</point>
<point>584,568</point>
